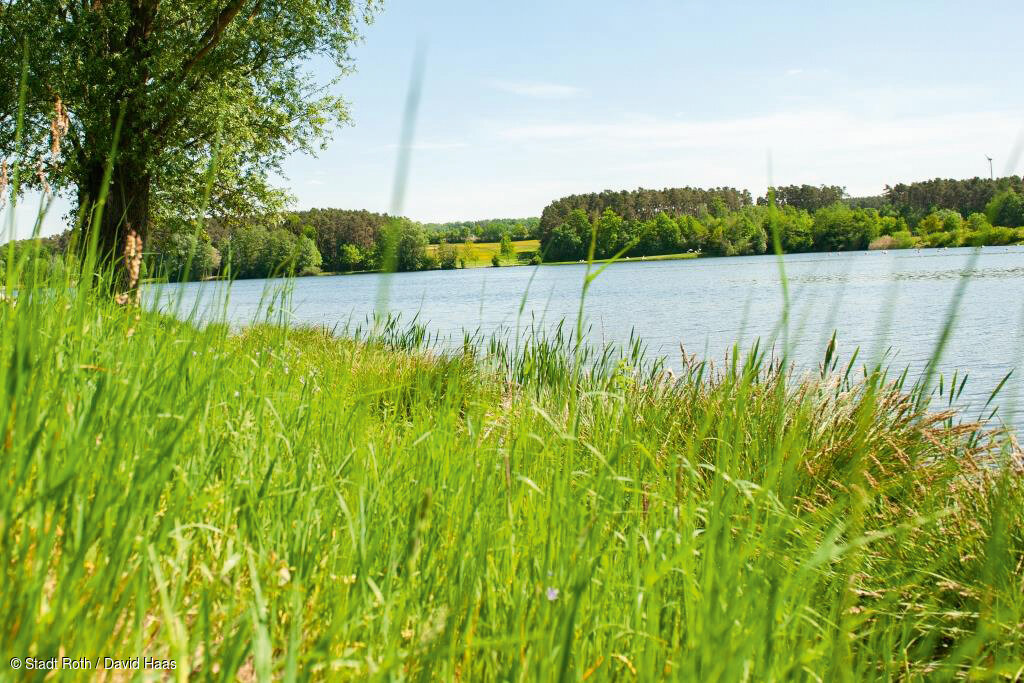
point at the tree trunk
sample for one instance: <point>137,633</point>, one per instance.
<point>126,208</point>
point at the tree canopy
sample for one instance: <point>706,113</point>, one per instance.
<point>183,79</point>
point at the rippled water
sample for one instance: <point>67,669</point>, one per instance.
<point>873,300</point>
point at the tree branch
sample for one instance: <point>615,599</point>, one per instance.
<point>213,34</point>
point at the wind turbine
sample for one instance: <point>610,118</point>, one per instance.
<point>991,176</point>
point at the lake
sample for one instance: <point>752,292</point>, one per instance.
<point>873,300</point>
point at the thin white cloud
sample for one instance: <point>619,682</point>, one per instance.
<point>820,130</point>
<point>427,146</point>
<point>538,90</point>
<point>794,72</point>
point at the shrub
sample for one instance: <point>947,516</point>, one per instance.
<point>447,256</point>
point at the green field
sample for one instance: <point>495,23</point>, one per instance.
<point>284,504</point>
<point>479,254</point>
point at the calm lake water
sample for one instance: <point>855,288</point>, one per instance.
<point>873,300</point>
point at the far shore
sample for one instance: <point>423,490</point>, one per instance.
<point>624,259</point>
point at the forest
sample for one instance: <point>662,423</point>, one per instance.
<point>725,222</point>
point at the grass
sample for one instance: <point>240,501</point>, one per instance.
<point>282,503</point>
<point>479,254</point>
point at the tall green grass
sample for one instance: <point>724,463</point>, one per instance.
<point>282,503</point>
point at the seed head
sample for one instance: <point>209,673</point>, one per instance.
<point>133,263</point>
<point>41,174</point>
<point>4,182</point>
<point>58,127</point>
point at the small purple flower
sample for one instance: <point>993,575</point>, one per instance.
<point>552,593</point>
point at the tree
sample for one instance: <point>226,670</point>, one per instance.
<point>795,227</point>
<point>1006,209</point>
<point>506,249</point>
<point>610,234</point>
<point>351,257</point>
<point>409,242</point>
<point>806,197</point>
<point>563,245</point>
<point>447,256</point>
<point>308,259</point>
<point>180,249</point>
<point>177,78</point>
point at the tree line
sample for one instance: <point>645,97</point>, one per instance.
<point>712,222</point>
<point>489,230</point>
<point>805,219</point>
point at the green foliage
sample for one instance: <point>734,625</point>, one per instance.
<point>991,236</point>
<point>350,257</point>
<point>308,259</point>
<point>193,79</point>
<point>564,244</point>
<point>506,250</point>
<point>183,250</point>
<point>495,261</point>
<point>641,205</point>
<point>1006,209</point>
<point>406,242</point>
<point>489,230</point>
<point>977,222</point>
<point>611,232</point>
<point>806,197</point>
<point>259,251</point>
<point>447,256</point>
<point>840,228</point>
<point>796,229</point>
<point>914,201</point>
<point>943,220</point>
<point>903,240</point>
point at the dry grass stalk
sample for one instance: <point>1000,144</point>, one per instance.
<point>41,174</point>
<point>59,127</point>
<point>4,182</point>
<point>133,263</point>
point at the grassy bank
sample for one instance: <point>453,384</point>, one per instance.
<point>285,504</point>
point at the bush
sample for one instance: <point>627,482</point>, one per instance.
<point>1006,208</point>
<point>447,256</point>
<point>904,240</point>
<point>942,239</point>
<point>495,261</point>
<point>535,260</point>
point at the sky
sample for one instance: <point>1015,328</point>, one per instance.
<point>526,102</point>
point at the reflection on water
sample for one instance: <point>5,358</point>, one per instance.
<point>876,301</point>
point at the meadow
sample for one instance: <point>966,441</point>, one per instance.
<point>280,503</point>
<point>479,254</point>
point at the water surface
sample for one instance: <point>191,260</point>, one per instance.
<point>876,301</point>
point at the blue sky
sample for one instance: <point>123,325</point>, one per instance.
<point>526,102</point>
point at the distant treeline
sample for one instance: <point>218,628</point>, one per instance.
<point>317,240</point>
<point>489,230</point>
<point>640,205</point>
<point>716,222</point>
<point>724,222</point>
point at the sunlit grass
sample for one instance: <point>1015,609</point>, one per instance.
<point>479,254</point>
<point>282,503</point>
